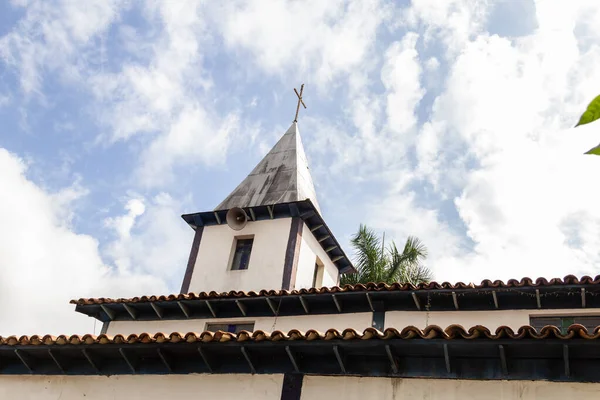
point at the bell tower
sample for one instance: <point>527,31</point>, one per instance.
<point>268,233</point>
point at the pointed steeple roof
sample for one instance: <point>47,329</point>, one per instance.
<point>282,176</point>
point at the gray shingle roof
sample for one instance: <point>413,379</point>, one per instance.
<point>282,176</point>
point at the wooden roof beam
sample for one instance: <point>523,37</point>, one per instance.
<point>455,300</point>
<point>447,358</point>
<point>210,308</point>
<point>392,358</point>
<point>164,360</point>
<point>185,309</point>
<point>133,313</point>
<point>248,359</point>
<point>242,307</point>
<point>503,363</point>
<point>88,357</point>
<point>316,227</point>
<point>24,361</point>
<point>495,297</point>
<point>271,304</point>
<point>337,302</point>
<point>128,361</point>
<point>158,310</point>
<point>304,304</point>
<point>416,300</point>
<point>108,311</point>
<point>292,358</point>
<point>58,364</point>
<point>205,359</point>
<point>340,360</point>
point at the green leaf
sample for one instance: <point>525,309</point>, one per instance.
<point>594,150</point>
<point>591,114</point>
<point>376,262</point>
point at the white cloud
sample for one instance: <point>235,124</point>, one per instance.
<point>452,22</point>
<point>4,100</point>
<point>44,263</point>
<point>385,125</point>
<point>194,137</point>
<point>401,74</point>
<point>166,96</point>
<point>399,214</point>
<point>151,238</point>
<point>318,39</point>
<point>123,224</point>
<point>432,64</point>
<point>157,92</point>
<point>58,37</point>
<point>499,142</point>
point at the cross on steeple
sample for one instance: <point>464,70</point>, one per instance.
<point>300,101</point>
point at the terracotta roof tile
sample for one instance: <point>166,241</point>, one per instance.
<point>369,287</point>
<point>452,332</point>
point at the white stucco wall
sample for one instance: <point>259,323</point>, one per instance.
<point>141,387</point>
<point>306,265</point>
<point>310,249</point>
<point>358,321</point>
<point>489,319</point>
<point>268,387</point>
<point>351,388</point>
<point>265,269</point>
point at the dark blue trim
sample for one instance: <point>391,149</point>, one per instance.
<point>189,271</point>
<point>290,264</point>
<point>292,387</point>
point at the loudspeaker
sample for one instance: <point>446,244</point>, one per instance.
<point>236,218</point>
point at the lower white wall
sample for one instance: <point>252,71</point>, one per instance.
<point>268,387</point>
<point>146,387</point>
<point>359,321</point>
<point>350,388</point>
<point>490,319</point>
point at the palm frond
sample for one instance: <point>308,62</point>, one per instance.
<point>404,264</point>
<point>376,263</point>
<point>368,255</point>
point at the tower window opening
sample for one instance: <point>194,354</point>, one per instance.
<point>241,256</point>
<point>318,274</point>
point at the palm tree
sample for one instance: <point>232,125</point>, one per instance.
<point>376,263</point>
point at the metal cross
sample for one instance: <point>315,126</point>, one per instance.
<point>300,101</point>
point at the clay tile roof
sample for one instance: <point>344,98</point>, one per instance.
<point>452,332</point>
<point>568,280</point>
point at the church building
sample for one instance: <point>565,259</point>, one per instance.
<point>261,315</point>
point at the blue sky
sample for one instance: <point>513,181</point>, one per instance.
<point>446,119</point>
